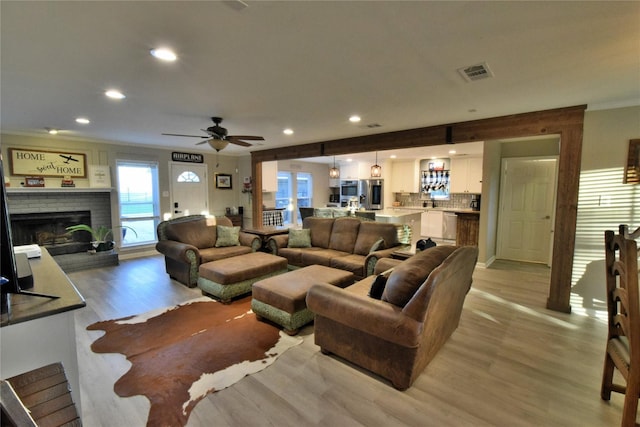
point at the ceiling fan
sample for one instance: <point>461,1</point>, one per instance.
<point>219,138</point>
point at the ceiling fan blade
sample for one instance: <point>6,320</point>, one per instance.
<point>202,142</point>
<point>179,134</point>
<point>238,142</point>
<point>247,137</point>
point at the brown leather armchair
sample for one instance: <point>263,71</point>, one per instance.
<point>397,336</point>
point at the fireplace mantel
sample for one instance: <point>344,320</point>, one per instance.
<point>23,190</point>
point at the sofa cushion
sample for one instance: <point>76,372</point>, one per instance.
<point>349,262</point>
<point>370,232</point>
<point>214,254</point>
<point>299,238</point>
<point>320,230</point>
<point>320,256</point>
<point>345,234</point>
<point>195,233</point>
<point>227,236</point>
<point>409,275</point>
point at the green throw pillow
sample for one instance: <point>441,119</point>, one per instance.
<point>227,236</point>
<point>299,238</point>
<point>377,246</point>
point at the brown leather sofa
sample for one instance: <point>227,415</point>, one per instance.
<point>189,241</point>
<point>345,243</point>
<point>398,335</point>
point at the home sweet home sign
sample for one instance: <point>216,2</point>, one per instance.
<point>47,163</point>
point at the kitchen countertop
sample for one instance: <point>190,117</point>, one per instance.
<point>412,209</point>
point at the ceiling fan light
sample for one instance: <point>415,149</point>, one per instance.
<point>218,144</point>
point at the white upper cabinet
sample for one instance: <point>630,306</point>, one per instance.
<point>405,176</point>
<point>466,175</point>
<point>355,170</point>
<point>270,177</point>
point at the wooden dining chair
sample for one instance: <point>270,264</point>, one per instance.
<point>623,341</point>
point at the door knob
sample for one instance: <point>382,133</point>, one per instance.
<point>547,217</point>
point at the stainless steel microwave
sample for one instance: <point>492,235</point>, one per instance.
<point>348,188</point>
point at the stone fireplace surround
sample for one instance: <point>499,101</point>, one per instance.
<point>60,200</point>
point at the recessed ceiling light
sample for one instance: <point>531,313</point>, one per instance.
<point>114,94</point>
<point>349,160</point>
<point>354,119</point>
<point>452,151</point>
<point>83,120</point>
<point>52,131</point>
<point>164,54</point>
<point>288,131</point>
<point>393,156</point>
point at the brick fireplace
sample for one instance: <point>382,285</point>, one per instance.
<point>40,216</point>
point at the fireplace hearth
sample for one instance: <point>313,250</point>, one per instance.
<point>48,229</point>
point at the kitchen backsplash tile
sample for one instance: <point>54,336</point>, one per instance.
<point>456,200</point>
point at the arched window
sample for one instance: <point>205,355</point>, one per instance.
<point>188,176</point>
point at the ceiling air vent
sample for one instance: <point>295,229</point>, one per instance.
<point>475,72</point>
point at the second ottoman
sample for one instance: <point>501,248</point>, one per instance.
<point>281,299</point>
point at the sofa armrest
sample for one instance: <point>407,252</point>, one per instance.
<point>374,317</point>
<point>179,251</point>
<point>276,242</point>
<point>372,259</point>
<point>251,240</point>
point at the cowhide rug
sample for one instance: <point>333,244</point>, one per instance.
<point>182,353</point>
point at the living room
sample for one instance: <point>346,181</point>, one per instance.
<point>603,202</point>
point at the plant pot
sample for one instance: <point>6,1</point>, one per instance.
<point>103,246</point>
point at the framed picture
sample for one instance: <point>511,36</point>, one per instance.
<point>223,180</point>
<point>47,163</point>
<point>632,169</point>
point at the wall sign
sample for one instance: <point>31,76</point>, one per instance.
<point>187,157</point>
<point>47,163</point>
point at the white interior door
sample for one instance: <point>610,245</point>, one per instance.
<point>189,189</point>
<point>526,209</point>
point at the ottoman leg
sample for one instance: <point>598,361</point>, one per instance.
<point>291,332</point>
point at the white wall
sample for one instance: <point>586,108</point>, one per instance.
<point>604,201</point>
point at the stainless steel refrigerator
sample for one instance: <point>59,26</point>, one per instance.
<point>371,194</point>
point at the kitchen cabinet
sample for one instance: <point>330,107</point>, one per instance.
<point>431,224</point>
<point>467,229</point>
<point>334,182</point>
<point>405,176</point>
<point>466,175</point>
<point>360,170</point>
<point>270,177</point>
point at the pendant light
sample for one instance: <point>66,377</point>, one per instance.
<point>376,170</point>
<point>334,172</point>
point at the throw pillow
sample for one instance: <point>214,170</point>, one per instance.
<point>227,236</point>
<point>378,245</point>
<point>377,287</point>
<point>299,238</point>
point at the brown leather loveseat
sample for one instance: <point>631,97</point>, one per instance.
<point>189,241</point>
<point>345,243</point>
<point>398,335</point>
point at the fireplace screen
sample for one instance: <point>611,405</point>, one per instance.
<point>48,229</point>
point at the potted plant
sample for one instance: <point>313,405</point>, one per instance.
<point>99,236</point>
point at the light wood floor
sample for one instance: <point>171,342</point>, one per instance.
<point>511,362</point>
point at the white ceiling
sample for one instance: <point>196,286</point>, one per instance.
<point>307,65</point>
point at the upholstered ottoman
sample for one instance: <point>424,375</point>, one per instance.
<point>281,299</point>
<point>227,278</point>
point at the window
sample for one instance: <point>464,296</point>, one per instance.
<point>188,176</point>
<point>301,186</point>
<point>284,195</point>
<point>139,201</point>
